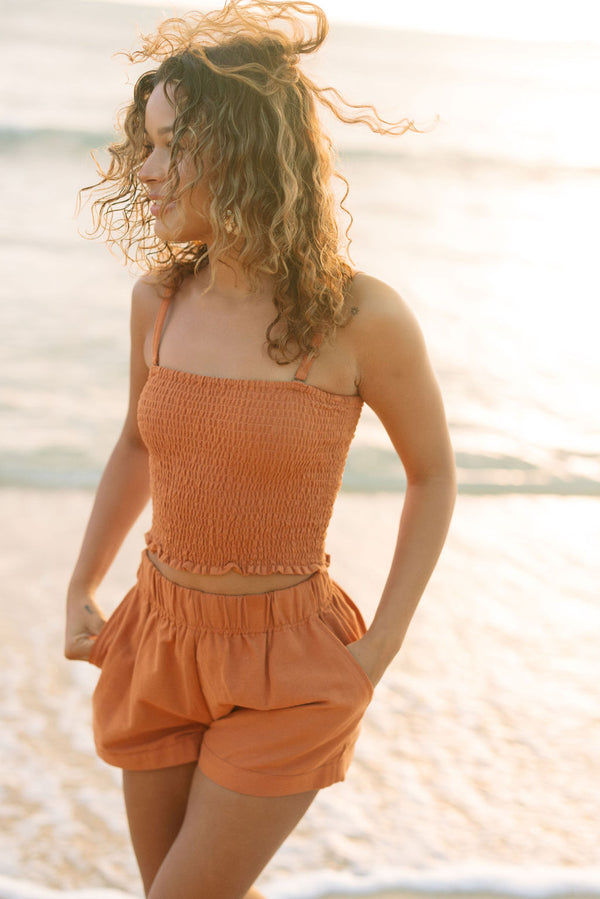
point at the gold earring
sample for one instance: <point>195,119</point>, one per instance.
<point>229,221</point>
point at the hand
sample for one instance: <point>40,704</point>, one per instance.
<point>84,622</point>
<point>369,658</point>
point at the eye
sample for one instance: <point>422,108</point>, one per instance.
<point>148,147</point>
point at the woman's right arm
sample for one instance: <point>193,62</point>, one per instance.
<point>122,494</point>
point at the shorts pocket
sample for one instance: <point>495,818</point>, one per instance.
<point>337,638</point>
<point>93,657</point>
<point>100,645</point>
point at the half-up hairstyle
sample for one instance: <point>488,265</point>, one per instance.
<point>246,115</point>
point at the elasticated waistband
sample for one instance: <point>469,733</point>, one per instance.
<point>226,613</point>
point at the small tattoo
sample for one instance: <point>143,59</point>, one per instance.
<point>354,310</point>
<point>88,609</point>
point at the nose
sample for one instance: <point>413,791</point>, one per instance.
<point>152,169</point>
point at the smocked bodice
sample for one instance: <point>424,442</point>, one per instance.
<point>244,474</point>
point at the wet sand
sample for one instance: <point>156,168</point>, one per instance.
<point>481,742</point>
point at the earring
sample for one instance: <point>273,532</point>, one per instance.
<point>229,221</point>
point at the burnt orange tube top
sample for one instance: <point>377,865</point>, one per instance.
<point>244,473</point>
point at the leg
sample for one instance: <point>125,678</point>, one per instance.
<point>225,842</point>
<point>155,803</point>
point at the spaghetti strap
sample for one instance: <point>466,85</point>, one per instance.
<point>158,326</point>
<point>307,360</point>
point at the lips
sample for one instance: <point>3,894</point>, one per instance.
<point>157,208</point>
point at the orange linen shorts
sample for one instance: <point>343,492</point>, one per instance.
<point>259,689</point>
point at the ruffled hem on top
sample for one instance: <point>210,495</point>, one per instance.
<point>241,568</point>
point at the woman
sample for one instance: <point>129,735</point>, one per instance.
<point>235,672</point>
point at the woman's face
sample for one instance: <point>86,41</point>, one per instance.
<point>186,219</point>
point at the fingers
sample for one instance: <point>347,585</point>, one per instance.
<point>84,622</point>
<point>79,647</point>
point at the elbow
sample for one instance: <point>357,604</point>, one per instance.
<point>443,480</point>
<point>438,470</point>
<point>440,479</point>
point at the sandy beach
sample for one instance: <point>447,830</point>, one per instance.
<point>403,895</point>
<point>476,773</point>
<point>453,895</point>
<point>481,742</point>
<point>22,890</point>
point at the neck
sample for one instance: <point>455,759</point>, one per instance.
<point>231,284</point>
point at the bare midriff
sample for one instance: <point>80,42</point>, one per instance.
<point>230,583</point>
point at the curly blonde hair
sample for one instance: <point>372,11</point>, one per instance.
<point>246,115</point>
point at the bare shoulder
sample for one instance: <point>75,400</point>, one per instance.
<point>385,333</point>
<point>396,378</point>
<point>145,301</point>
<point>145,297</point>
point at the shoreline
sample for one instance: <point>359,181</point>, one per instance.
<point>403,894</point>
<point>480,742</point>
<point>12,888</point>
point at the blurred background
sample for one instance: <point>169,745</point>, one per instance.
<point>476,768</point>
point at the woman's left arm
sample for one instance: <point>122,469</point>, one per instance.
<point>397,381</point>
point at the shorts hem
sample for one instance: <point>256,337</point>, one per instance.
<point>257,783</point>
<point>177,753</point>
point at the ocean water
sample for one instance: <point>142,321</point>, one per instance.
<point>485,224</point>
<point>477,763</point>
<point>476,769</point>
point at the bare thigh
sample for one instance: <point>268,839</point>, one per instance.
<point>224,842</point>
<point>156,802</point>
